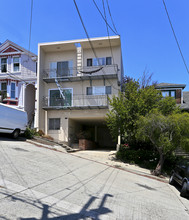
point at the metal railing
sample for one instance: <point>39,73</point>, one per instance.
<point>76,101</point>
<point>81,71</point>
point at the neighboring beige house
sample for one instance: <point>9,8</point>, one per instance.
<point>18,78</point>
<point>74,86</point>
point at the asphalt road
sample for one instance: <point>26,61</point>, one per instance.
<point>38,183</point>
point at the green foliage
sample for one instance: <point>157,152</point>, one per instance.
<point>29,133</point>
<point>142,157</point>
<point>168,106</point>
<point>146,158</point>
<point>166,133</point>
<point>128,107</point>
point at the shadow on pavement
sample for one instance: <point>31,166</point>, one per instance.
<point>8,137</point>
<point>84,213</point>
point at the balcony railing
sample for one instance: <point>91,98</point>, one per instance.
<point>76,102</point>
<point>68,73</point>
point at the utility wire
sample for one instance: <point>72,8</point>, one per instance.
<point>175,37</point>
<point>108,33</point>
<point>111,16</point>
<point>30,24</point>
<point>115,32</point>
<point>85,28</point>
<point>91,45</point>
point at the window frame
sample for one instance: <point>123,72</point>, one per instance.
<point>49,91</point>
<point>97,87</point>
<point>54,128</point>
<point>53,72</point>
<point>16,63</point>
<point>169,93</point>
<point>97,61</point>
<point>3,92</point>
<point>4,64</point>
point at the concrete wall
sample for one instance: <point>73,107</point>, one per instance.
<point>68,123</point>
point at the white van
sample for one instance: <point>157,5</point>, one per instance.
<point>12,120</point>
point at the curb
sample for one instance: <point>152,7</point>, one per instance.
<point>123,169</point>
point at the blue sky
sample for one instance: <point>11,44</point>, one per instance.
<point>146,36</point>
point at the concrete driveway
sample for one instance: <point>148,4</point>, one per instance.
<point>39,183</point>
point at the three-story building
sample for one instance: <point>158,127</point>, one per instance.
<point>75,83</point>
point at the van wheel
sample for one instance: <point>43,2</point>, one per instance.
<point>15,133</point>
<point>184,192</point>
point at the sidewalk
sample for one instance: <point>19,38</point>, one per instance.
<point>101,156</point>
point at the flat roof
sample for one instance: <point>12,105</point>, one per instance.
<point>169,85</point>
<point>97,42</point>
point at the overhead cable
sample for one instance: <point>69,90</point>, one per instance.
<point>115,32</point>
<point>175,37</point>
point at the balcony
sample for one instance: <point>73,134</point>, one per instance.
<point>83,73</point>
<point>76,102</point>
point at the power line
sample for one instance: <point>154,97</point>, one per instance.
<point>30,24</point>
<point>91,45</point>
<point>115,32</point>
<point>85,28</point>
<point>175,36</point>
<point>108,33</point>
<point>111,16</point>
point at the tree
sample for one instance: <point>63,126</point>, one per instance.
<point>128,106</point>
<point>166,133</point>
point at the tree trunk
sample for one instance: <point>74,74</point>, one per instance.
<point>159,166</point>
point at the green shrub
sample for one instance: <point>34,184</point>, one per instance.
<point>145,158</point>
<point>29,133</point>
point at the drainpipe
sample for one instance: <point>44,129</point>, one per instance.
<point>46,122</point>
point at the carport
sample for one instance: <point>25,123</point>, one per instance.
<point>93,129</point>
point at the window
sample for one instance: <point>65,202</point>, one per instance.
<point>108,60</point>
<point>60,69</point>
<point>4,89</point>
<point>171,93</point>
<point>56,98</point>
<point>89,62</point>
<point>108,90</point>
<point>16,64</point>
<point>89,90</point>
<point>99,90</point>
<point>13,90</point>
<point>3,65</point>
<point>101,61</point>
<point>54,123</point>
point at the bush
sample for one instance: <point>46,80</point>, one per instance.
<point>142,157</point>
<point>29,133</point>
<point>145,158</point>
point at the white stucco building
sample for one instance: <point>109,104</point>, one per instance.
<point>73,88</point>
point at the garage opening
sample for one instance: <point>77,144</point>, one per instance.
<point>91,133</point>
